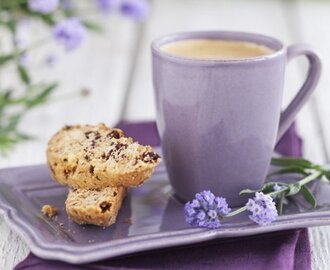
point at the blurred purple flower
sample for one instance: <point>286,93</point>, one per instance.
<point>107,5</point>
<point>51,59</point>
<point>43,6</point>
<point>70,33</point>
<point>136,9</point>
<point>262,208</point>
<point>19,42</point>
<point>67,5</point>
<point>206,210</point>
<point>24,58</point>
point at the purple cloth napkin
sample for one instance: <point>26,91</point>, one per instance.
<point>279,250</point>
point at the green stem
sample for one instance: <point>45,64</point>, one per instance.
<point>275,193</point>
<point>38,43</point>
<point>304,181</point>
<point>12,3</point>
<point>310,178</point>
<point>236,212</point>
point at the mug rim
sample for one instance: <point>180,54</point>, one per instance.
<point>265,40</point>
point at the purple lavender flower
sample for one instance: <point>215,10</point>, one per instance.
<point>136,9</point>
<point>70,33</point>
<point>206,210</point>
<point>262,208</point>
<point>107,5</point>
<point>277,187</point>
<point>43,6</point>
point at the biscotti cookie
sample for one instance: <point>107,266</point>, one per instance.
<point>94,157</point>
<point>98,207</point>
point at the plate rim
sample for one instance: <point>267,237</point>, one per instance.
<point>134,244</point>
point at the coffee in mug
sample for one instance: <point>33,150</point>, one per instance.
<point>215,49</point>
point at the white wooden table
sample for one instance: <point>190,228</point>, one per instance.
<point>116,68</point>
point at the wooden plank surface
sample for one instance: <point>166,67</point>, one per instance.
<point>312,26</point>
<point>102,65</point>
<point>107,66</point>
<point>314,19</point>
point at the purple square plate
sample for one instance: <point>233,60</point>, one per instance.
<point>149,219</point>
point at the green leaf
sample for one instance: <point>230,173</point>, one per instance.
<point>23,136</point>
<point>93,26</point>
<point>6,144</point>
<point>23,74</point>
<point>289,169</point>
<point>12,123</point>
<point>308,195</point>
<point>292,161</point>
<point>293,189</point>
<point>5,98</point>
<point>327,175</point>
<point>42,96</point>
<point>8,141</point>
<point>6,58</point>
<point>11,24</point>
<point>48,19</point>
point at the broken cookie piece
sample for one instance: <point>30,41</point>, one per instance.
<point>49,210</point>
<point>98,207</point>
<point>95,157</point>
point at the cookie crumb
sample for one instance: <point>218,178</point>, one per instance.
<point>49,210</point>
<point>128,221</point>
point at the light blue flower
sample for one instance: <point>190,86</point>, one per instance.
<point>206,210</point>
<point>67,5</point>
<point>43,6</point>
<point>136,9</point>
<point>277,187</point>
<point>51,59</point>
<point>262,208</point>
<point>107,5</point>
<point>70,33</point>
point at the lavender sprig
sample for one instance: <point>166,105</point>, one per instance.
<point>206,210</point>
<point>267,202</point>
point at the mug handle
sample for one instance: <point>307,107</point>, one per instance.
<point>288,115</point>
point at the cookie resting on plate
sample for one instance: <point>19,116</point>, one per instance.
<point>95,157</point>
<point>98,207</point>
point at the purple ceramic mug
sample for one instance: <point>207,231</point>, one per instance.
<point>219,120</point>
